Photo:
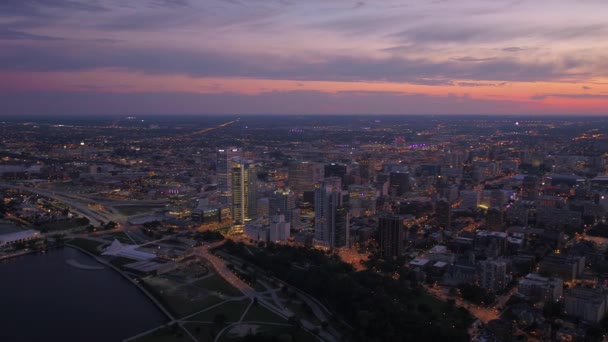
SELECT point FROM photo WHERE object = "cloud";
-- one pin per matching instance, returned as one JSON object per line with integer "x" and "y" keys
{"x": 7, "y": 34}
{"x": 359, "y": 4}
{"x": 211, "y": 63}
{"x": 586, "y": 31}
{"x": 570, "y": 96}
{"x": 513, "y": 49}
{"x": 478, "y": 84}
{"x": 467, "y": 59}
{"x": 274, "y": 102}
{"x": 586, "y": 88}
{"x": 43, "y": 8}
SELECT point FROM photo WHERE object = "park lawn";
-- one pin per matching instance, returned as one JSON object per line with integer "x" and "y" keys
{"x": 121, "y": 261}
{"x": 232, "y": 309}
{"x": 180, "y": 300}
{"x": 218, "y": 284}
{"x": 258, "y": 313}
{"x": 165, "y": 334}
{"x": 181, "y": 305}
{"x": 203, "y": 332}
{"x": 297, "y": 336}
{"x": 272, "y": 331}
{"x": 436, "y": 305}
{"x": 88, "y": 245}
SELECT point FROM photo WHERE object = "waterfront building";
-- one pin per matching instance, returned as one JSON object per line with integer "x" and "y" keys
{"x": 18, "y": 237}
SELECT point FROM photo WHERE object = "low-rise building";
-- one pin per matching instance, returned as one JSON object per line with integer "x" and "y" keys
{"x": 537, "y": 287}
{"x": 18, "y": 237}
{"x": 567, "y": 267}
{"x": 589, "y": 304}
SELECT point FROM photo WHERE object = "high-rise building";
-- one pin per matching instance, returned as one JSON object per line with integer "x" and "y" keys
{"x": 244, "y": 201}
{"x": 529, "y": 188}
{"x": 331, "y": 214}
{"x": 494, "y": 219}
{"x": 223, "y": 170}
{"x": 493, "y": 275}
{"x": 283, "y": 202}
{"x": 587, "y": 303}
{"x": 279, "y": 229}
{"x": 399, "y": 183}
{"x": 337, "y": 170}
{"x": 537, "y": 287}
{"x": 470, "y": 199}
{"x": 362, "y": 200}
{"x": 443, "y": 214}
{"x": 303, "y": 176}
{"x": 391, "y": 233}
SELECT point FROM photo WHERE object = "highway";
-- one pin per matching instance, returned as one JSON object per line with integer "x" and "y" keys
{"x": 76, "y": 205}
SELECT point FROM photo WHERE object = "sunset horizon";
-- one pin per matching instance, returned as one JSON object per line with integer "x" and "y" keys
{"x": 318, "y": 57}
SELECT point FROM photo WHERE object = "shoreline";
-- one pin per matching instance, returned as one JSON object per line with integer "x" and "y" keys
{"x": 124, "y": 275}
{"x": 76, "y": 264}
{"x": 17, "y": 254}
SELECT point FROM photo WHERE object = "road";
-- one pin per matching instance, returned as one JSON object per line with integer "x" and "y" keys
{"x": 223, "y": 270}
{"x": 76, "y": 204}
{"x": 481, "y": 313}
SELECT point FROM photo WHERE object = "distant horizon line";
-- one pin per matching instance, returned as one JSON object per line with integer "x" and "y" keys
{"x": 126, "y": 116}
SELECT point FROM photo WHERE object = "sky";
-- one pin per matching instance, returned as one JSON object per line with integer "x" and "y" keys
{"x": 239, "y": 57}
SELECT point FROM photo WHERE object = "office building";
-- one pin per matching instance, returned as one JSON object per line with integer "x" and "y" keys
{"x": 493, "y": 275}
{"x": 539, "y": 288}
{"x": 391, "y": 232}
{"x": 244, "y": 186}
{"x": 223, "y": 170}
{"x": 279, "y": 229}
{"x": 302, "y": 176}
{"x": 588, "y": 304}
{"x": 283, "y": 202}
{"x": 331, "y": 214}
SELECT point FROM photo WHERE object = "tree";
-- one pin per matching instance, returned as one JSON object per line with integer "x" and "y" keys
{"x": 219, "y": 319}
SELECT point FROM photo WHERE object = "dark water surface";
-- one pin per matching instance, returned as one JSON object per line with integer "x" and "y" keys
{"x": 44, "y": 299}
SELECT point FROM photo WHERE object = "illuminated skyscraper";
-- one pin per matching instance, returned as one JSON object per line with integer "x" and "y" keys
{"x": 224, "y": 173}
{"x": 331, "y": 214}
{"x": 244, "y": 201}
{"x": 283, "y": 202}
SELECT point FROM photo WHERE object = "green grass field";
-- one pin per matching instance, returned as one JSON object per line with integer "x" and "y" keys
{"x": 218, "y": 284}
{"x": 165, "y": 334}
{"x": 202, "y": 331}
{"x": 232, "y": 309}
{"x": 258, "y": 313}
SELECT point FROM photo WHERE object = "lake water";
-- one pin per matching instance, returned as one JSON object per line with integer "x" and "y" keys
{"x": 42, "y": 298}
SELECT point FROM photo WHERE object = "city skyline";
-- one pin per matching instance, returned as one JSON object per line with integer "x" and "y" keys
{"x": 313, "y": 57}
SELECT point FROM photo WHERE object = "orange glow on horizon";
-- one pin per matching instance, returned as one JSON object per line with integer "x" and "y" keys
{"x": 590, "y": 95}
